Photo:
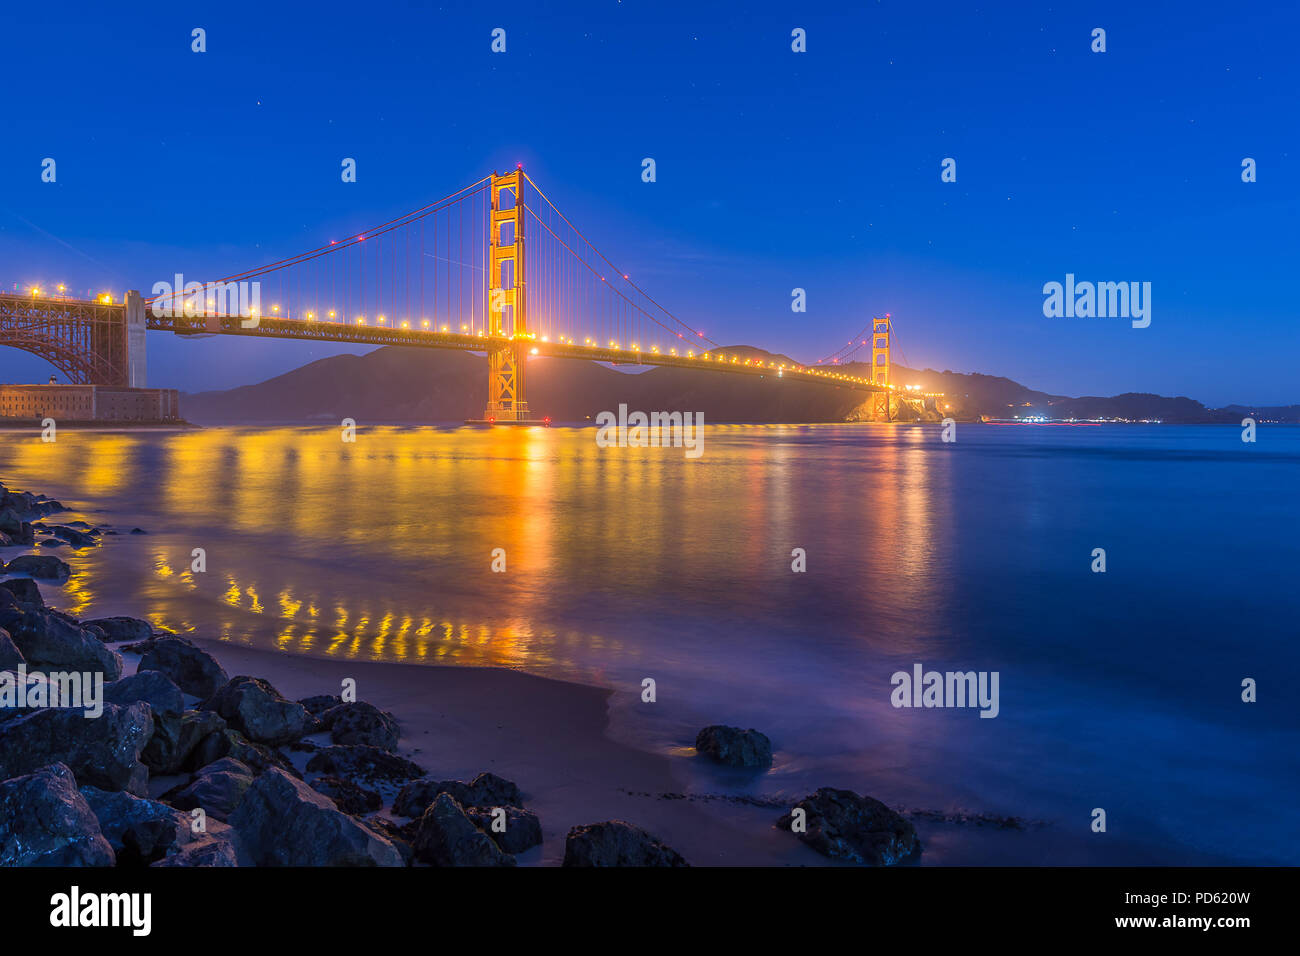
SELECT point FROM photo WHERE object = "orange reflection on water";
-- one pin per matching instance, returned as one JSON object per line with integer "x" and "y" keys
{"x": 381, "y": 549}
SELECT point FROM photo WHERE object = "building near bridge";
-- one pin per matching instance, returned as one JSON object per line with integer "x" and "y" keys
{"x": 88, "y": 403}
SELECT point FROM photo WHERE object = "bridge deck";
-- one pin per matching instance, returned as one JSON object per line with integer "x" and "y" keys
{"x": 277, "y": 327}
{"x": 284, "y": 328}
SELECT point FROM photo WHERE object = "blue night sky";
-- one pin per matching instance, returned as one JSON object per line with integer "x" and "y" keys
{"x": 776, "y": 170}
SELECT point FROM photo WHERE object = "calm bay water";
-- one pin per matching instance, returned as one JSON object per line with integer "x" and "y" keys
{"x": 1118, "y": 690}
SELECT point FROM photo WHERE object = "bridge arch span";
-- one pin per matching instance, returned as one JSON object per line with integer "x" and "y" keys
{"x": 87, "y": 341}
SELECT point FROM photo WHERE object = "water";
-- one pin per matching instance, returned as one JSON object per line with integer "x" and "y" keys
{"x": 1119, "y": 690}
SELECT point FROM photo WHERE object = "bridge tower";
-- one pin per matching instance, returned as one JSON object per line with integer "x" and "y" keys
{"x": 134, "y": 333}
{"x": 880, "y": 336}
{"x": 506, "y": 401}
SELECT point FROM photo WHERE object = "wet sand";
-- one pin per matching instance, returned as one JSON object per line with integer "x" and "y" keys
{"x": 547, "y": 736}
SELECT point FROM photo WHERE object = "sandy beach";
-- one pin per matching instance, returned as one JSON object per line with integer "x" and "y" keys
{"x": 547, "y": 736}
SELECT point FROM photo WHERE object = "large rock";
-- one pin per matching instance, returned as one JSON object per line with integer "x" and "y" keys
{"x": 78, "y": 539}
{"x": 24, "y": 503}
{"x": 283, "y": 822}
{"x": 317, "y": 705}
{"x": 15, "y": 523}
{"x": 45, "y": 821}
{"x": 844, "y": 826}
{"x": 216, "y": 849}
{"x": 117, "y": 629}
{"x": 485, "y": 790}
{"x": 399, "y": 835}
{"x": 103, "y": 752}
{"x": 48, "y": 638}
{"x": 10, "y": 656}
{"x": 177, "y": 737}
{"x": 735, "y": 747}
{"x": 44, "y": 566}
{"x": 24, "y": 591}
{"x": 522, "y": 828}
{"x": 258, "y": 711}
{"x": 193, "y": 669}
{"x": 141, "y": 831}
{"x": 616, "y": 843}
{"x": 448, "y": 837}
{"x": 217, "y": 788}
{"x": 231, "y": 743}
{"x": 361, "y": 723}
{"x": 364, "y": 764}
{"x": 153, "y": 687}
{"x": 348, "y": 796}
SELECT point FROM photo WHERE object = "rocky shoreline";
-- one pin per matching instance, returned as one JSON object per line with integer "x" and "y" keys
{"x": 182, "y": 764}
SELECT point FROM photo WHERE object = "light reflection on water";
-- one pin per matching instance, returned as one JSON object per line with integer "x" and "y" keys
{"x": 628, "y": 563}
{"x": 381, "y": 550}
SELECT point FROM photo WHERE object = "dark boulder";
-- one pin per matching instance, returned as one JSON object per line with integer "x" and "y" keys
{"x": 23, "y": 502}
{"x": 24, "y": 591}
{"x": 14, "y": 523}
{"x": 78, "y": 539}
{"x": 258, "y": 711}
{"x": 153, "y": 687}
{"x": 216, "y": 850}
{"x": 10, "y": 656}
{"x": 320, "y": 703}
{"x": 193, "y": 669}
{"x": 448, "y": 837}
{"x": 283, "y": 822}
{"x": 231, "y": 743}
{"x": 45, "y": 821}
{"x": 217, "y": 788}
{"x": 140, "y": 830}
{"x": 103, "y": 752}
{"x": 117, "y": 629}
{"x": 361, "y": 723}
{"x": 521, "y": 829}
{"x": 48, "y": 638}
{"x": 44, "y": 566}
{"x": 348, "y": 796}
{"x": 735, "y": 747}
{"x": 485, "y": 790}
{"x": 616, "y": 843}
{"x": 844, "y": 826}
{"x": 177, "y": 737}
{"x": 364, "y": 764}
{"x": 399, "y": 835}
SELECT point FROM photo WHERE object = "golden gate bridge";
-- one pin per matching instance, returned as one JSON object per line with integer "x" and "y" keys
{"x": 494, "y": 267}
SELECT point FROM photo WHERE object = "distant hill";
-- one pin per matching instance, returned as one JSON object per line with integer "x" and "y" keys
{"x": 395, "y": 384}
{"x": 973, "y": 395}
